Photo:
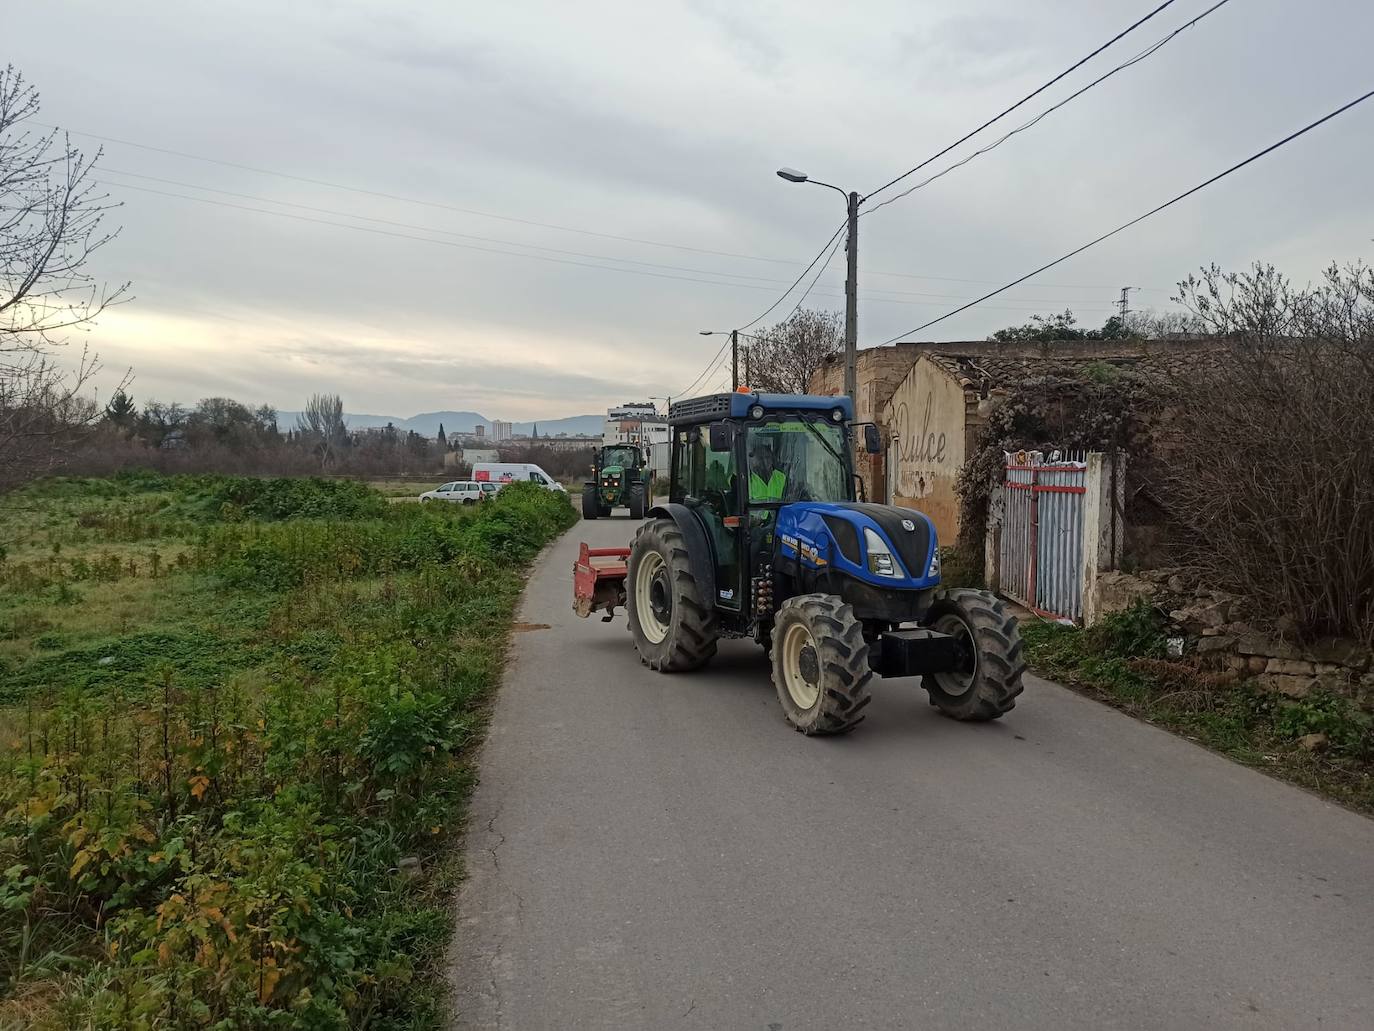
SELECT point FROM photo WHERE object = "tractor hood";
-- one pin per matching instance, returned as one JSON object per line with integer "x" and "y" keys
{"x": 850, "y": 537}
{"x": 613, "y": 470}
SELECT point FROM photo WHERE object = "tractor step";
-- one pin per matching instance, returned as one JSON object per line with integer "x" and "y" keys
{"x": 599, "y": 584}
{"x": 912, "y": 652}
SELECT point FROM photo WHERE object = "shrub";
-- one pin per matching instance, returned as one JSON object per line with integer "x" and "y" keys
{"x": 211, "y": 851}
{"x": 1270, "y": 475}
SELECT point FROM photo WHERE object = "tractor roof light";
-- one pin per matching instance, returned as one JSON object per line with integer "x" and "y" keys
{"x": 837, "y": 415}
{"x": 756, "y": 411}
{"x": 881, "y": 561}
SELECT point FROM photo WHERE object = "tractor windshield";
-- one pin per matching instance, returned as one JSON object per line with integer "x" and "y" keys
{"x": 797, "y": 459}
{"x": 625, "y": 457}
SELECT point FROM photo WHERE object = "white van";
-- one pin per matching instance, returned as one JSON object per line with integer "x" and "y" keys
{"x": 514, "y": 472}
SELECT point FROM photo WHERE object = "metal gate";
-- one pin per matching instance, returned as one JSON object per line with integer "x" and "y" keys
{"x": 1042, "y": 533}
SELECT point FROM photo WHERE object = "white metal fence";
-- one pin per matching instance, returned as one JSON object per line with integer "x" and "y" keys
{"x": 1042, "y": 532}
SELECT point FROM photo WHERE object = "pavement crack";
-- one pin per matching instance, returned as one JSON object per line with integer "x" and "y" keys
{"x": 689, "y": 1010}
{"x": 491, "y": 829}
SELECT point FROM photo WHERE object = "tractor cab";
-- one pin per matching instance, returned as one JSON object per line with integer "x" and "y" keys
{"x": 762, "y": 536}
{"x": 770, "y": 478}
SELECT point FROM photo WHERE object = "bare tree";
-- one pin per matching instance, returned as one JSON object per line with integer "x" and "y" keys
{"x": 51, "y": 222}
{"x": 783, "y": 358}
{"x": 1270, "y": 475}
{"x": 321, "y": 426}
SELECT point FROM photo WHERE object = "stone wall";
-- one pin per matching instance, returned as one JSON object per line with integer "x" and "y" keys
{"x": 1219, "y": 632}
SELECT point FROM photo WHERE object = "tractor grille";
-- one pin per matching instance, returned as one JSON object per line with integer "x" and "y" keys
{"x": 912, "y": 545}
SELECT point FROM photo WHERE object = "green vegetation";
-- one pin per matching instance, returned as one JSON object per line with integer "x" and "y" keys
{"x": 235, "y": 741}
{"x": 1121, "y": 661}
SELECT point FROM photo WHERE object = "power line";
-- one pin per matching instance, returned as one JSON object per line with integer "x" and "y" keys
{"x": 685, "y": 391}
{"x": 414, "y": 200}
{"x": 1029, "y": 96}
{"x": 517, "y": 254}
{"x": 1148, "y": 51}
{"x": 422, "y": 228}
{"x": 832, "y": 244}
{"x": 1140, "y": 218}
{"x": 763, "y": 314}
{"x": 504, "y": 218}
{"x": 819, "y": 272}
{"x": 442, "y": 243}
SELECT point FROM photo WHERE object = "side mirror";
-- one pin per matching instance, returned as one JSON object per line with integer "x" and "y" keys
{"x": 722, "y": 436}
{"x": 872, "y": 444}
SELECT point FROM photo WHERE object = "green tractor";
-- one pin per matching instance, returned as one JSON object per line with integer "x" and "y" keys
{"x": 762, "y": 537}
{"x": 621, "y": 478}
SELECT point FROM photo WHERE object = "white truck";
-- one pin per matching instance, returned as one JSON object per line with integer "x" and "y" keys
{"x": 514, "y": 472}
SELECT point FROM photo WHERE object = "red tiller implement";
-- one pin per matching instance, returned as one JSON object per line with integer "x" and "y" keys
{"x": 599, "y": 585}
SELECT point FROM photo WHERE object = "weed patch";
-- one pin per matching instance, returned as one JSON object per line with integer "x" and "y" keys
{"x": 239, "y": 818}
{"x": 1121, "y": 661}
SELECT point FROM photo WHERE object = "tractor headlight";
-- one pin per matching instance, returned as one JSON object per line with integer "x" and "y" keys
{"x": 756, "y": 412}
{"x": 881, "y": 561}
{"x": 934, "y": 570}
{"x": 837, "y": 415}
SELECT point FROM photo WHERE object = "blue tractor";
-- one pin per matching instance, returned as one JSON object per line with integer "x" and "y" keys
{"x": 762, "y": 537}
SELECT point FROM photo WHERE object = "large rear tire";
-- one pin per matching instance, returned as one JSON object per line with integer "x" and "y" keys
{"x": 674, "y": 626}
{"x": 988, "y": 685}
{"x": 591, "y": 504}
{"x": 820, "y": 664}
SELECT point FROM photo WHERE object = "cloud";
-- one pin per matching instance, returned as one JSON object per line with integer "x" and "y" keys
{"x": 662, "y": 122}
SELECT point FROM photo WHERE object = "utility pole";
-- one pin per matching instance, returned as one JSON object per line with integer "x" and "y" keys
{"x": 851, "y": 304}
{"x": 1124, "y": 302}
{"x": 748, "y": 379}
{"x": 734, "y": 359}
{"x": 851, "y": 282}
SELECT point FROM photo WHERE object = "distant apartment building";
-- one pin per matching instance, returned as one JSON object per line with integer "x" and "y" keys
{"x": 500, "y": 429}
{"x": 635, "y": 423}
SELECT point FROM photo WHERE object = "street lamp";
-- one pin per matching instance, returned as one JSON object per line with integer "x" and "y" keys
{"x": 734, "y": 352}
{"x": 851, "y": 282}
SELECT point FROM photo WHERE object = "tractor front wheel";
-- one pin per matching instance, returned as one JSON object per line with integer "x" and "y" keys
{"x": 636, "y": 503}
{"x": 820, "y": 664}
{"x": 987, "y": 684}
{"x": 673, "y": 623}
{"x": 591, "y": 504}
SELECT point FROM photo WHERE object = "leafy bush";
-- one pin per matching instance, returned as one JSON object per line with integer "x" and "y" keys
{"x": 224, "y": 847}
{"x": 1121, "y": 659}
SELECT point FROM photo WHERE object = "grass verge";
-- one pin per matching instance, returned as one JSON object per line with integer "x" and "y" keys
{"x": 228, "y": 794}
{"x": 1121, "y": 662}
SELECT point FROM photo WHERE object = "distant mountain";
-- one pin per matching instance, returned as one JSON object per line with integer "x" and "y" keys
{"x": 427, "y": 423}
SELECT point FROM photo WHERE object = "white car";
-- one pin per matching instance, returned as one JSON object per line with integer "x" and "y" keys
{"x": 469, "y": 492}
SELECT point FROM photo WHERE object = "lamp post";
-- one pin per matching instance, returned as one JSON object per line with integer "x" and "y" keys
{"x": 851, "y": 282}
{"x": 734, "y": 352}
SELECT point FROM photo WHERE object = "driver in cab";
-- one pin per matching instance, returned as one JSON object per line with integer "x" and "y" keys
{"x": 766, "y": 481}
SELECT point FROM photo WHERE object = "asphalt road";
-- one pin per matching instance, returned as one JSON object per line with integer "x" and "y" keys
{"x": 651, "y": 851}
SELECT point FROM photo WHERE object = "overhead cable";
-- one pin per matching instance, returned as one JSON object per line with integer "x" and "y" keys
{"x": 1139, "y": 218}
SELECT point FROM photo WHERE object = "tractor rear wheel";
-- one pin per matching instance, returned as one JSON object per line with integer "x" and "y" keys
{"x": 987, "y": 685}
{"x": 636, "y": 503}
{"x": 591, "y": 504}
{"x": 820, "y": 664}
{"x": 674, "y": 624}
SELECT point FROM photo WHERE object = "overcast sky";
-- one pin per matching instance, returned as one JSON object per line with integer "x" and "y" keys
{"x": 662, "y": 122}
